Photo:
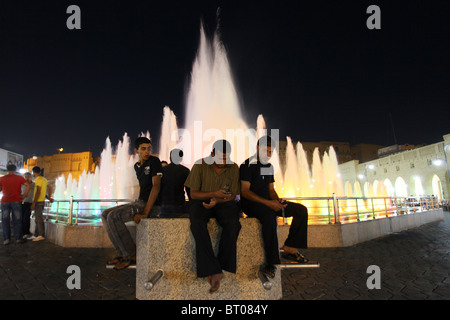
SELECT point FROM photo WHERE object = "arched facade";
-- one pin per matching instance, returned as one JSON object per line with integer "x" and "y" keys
{"x": 422, "y": 171}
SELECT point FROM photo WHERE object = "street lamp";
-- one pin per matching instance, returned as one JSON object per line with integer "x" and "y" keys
{"x": 60, "y": 150}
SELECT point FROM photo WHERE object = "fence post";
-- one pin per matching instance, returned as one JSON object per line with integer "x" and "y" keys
{"x": 357, "y": 210}
{"x": 373, "y": 209}
{"x": 69, "y": 216}
{"x": 329, "y": 211}
{"x": 336, "y": 210}
{"x": 385, "y": 208}
{"x": 57, "y": 211}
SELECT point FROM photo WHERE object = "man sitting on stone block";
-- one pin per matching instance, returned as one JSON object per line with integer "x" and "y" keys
{"x": 214, "y": 184}
{"x": 148, "y": 171}
{"x": 259, "y": 199}
{"x": 172, "y": 187}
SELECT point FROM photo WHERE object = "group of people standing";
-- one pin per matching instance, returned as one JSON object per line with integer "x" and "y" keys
{"x": 22, "y": 195}
{"x": 212, "y": 186}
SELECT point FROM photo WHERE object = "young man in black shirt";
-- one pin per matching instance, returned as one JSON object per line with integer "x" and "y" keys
{"x": 148, "y": 171}
{"x": 172, "y": 187}
{"x": 259, "y": 199}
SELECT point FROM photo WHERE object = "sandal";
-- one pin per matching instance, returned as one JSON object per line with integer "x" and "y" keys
{"x": 297, "y": 257}
{"x": 125, "y": 263}
{"x": 269, "y": 271}
{"x": 115, "y": 260}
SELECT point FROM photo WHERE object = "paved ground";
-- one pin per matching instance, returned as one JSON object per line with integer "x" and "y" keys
{"x": 414, "y": 264}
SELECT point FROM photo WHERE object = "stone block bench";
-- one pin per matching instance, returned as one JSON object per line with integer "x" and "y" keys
{"x": 168, "y": 245}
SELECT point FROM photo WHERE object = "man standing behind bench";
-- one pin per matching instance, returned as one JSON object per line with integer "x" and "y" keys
{"x": 214, "y": 184}
{"x": 148, "y": 171}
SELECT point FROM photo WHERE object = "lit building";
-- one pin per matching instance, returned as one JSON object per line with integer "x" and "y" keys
{"x": 63, "y": 164}
{"x": 416, "y": 171}
{"x": 344, "y": 151}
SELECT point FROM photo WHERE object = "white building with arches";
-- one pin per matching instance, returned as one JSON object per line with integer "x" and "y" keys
{"x": 417, "y": 172}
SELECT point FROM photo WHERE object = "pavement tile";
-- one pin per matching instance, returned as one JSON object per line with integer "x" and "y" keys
{"x": 414, "y": 264}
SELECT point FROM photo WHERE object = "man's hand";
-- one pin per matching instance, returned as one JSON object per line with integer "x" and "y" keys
{"x": 275, "y": 205}
{"x": 137, "y": 218}
{"x": 209, "y": 205}
{"x": 221, "y": 194}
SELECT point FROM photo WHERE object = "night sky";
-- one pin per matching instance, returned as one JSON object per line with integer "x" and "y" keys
{"x": 313, "y": 69}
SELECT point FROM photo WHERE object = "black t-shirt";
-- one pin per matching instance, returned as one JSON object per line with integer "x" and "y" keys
{"x": 145, "y": 173}
{"x": 174, "y": 176}
{"x": 259, "y": 175}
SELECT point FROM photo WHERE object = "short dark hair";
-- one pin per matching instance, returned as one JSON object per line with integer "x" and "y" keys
{"x": 27, "y": 174}
{"x": 36, "y": 169}
{"x": 266, "y": 141}
{"x": 11, "y": 167}
{"x": 221, "y": 145}
{"x": 140, "y": 141}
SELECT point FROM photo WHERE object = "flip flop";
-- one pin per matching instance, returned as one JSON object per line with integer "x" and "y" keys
{"x": 115, "y": 260}
{"x": 125, "y": 263}
{"x": 297, "y": 257}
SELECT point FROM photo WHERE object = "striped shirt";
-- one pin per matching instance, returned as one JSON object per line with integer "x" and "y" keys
{"x": 204, "y": 178}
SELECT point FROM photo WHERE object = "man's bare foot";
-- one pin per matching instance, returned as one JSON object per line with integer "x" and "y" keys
{"x": 290, "y": 250}
{"x": 214, "y": 281}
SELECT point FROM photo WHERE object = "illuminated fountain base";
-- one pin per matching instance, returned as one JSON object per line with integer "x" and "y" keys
{"x": 79, "y": 236}
{"x": 348, "y": 234}
{"x": 319, "y": 235}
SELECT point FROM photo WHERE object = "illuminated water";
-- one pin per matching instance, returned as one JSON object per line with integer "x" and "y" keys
{"x": 212, "y": 112}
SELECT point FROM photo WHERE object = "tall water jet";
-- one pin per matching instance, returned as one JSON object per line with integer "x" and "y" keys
{"x": 106, "y": 172}
{"x": 169, "y": 134}
{"x": 318, "y": 181}
{"x": 305, "y": 174}
{"x": 335, "y": 176}
{"x": 212, "y": 106}
{"x": 260, "y": 127}
{"x": 291, "y": 175}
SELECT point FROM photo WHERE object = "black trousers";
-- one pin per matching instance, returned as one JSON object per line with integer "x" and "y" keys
{"x": 26, "y": 214}
{"x": 298, "y": 231}
{"x": 227, "y": 215}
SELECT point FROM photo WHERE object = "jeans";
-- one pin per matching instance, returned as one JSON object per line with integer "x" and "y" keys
{"x": 26, "y": 213}
{"x": 16, "y": 209}
{"x": 39, "y": 219}
{"x": 114, "y": 223}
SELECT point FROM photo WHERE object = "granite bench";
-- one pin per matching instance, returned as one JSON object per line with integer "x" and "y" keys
{"x": 166, "y": 254}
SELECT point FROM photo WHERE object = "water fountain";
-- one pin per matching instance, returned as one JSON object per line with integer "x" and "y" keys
{"x": 213, "y": 112}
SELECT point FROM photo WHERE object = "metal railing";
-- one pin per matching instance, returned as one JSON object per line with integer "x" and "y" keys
{"x": 68, "y": 211}
{"x": 336, "y": 210}
{"x": 321, "y": 210}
